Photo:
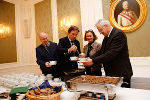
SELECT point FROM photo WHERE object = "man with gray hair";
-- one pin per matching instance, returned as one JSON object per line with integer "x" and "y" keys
{"x": 45, "y": 54}
{"x": 114, "y": 53}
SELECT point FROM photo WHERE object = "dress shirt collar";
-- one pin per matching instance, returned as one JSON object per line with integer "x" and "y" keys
{"x": 110, "y": 31}
{"x": 69, "y": 40}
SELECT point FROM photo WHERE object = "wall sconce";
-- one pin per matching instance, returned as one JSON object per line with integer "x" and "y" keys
{"x": 4, "y": 31}
{"x": 65, "y": 24}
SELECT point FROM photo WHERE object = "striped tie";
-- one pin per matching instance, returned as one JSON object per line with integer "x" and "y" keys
{"x": 46, "y": 47}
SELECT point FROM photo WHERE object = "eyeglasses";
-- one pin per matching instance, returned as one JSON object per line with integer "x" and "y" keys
{"x": 100, "y": 30}
{"x": 90, "y": 30}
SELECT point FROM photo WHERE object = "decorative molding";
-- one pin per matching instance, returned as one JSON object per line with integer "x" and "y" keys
{"x": 11, "y": 1}
{"x": 24, "y": 1}
{"x": 140, "y": 61}
{"x": 35, "y": 1}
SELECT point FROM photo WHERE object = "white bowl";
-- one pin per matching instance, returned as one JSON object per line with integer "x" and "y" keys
{"x": 53, "y": 62}
{"x": 66, "y": 95}
{"x": 74, "y": 58}
{"x": 82, "y": 59}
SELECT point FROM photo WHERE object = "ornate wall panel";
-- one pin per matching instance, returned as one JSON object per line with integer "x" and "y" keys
{"x": 43, "y": 19}
{"x": 8, "y": 45}
{"x": 70, "y": 8}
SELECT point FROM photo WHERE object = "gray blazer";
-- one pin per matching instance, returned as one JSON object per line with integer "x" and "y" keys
{"x": 95, "y": 47}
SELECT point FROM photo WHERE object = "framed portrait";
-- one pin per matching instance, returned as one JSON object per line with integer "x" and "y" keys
{"x": 127, "y": 15}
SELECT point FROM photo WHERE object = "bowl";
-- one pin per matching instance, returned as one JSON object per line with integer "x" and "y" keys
{"x": 67, "y": 95}
{"x": 53, "y": 62}
{"x": 74, "y": 58}
{"x": 82, "y": 59}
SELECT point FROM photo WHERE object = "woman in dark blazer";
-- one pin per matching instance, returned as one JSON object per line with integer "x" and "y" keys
{"x": 90, "y": 49}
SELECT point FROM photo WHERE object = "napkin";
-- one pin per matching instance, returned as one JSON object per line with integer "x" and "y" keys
{"x": 20, "y": 90}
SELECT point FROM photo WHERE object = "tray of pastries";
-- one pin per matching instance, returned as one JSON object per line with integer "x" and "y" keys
{"x": 100, "y": 84}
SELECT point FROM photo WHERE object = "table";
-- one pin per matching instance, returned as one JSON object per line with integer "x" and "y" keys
{"x": 132, "y": 94}
{"x": 129, "y": 94}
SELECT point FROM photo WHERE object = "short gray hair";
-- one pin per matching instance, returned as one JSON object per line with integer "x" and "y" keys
{"x": 102, "y": 22}
{"x": 42, "y": 34}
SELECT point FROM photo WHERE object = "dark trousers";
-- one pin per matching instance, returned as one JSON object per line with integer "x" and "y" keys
{"x": 126, "y": 83}
{"x": 96, "y": 72}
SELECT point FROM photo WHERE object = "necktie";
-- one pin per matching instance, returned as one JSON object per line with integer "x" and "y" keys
{"x": 72, "y": 42}
{"x": 46, "y": 47}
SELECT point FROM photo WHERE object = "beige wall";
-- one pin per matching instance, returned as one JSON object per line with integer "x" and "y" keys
{"x": 8, "y": 45}
{"x": 43, "y": 19}
{"x": 139, "y": 40}
{"x": 70, "y": 8}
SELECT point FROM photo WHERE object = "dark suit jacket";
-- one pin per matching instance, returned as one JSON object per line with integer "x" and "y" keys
{"x": 43, "y": 56}
{"x": 63, "y": 46}
{"x": 114, "y": 55}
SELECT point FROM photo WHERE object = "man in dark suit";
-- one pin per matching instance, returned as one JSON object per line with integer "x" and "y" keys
{"x": 114, "y": 53}
{"x": 67, "y": 47}
{"x": 45, "y": 53}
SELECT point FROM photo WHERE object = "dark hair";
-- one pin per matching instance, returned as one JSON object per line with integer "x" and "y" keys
{"x": 73, "y": 28}
{"x": 94, "y": 35}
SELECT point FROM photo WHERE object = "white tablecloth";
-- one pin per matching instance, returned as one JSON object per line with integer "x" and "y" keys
{"x": 132, "y": 94}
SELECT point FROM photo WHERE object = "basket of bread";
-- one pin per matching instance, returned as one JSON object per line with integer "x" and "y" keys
{"x": 44, "y": 92}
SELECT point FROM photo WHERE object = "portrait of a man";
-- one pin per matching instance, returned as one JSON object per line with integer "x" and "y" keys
{"x": 127, "y": 12}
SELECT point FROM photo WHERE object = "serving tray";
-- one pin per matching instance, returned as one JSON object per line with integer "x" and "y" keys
{"x": 107, "y": 87}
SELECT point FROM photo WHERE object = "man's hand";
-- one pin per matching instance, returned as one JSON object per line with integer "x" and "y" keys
{"x": 47, "y": 64}
{"x": 88, "y": 62}
{"x": 72, "y": 48}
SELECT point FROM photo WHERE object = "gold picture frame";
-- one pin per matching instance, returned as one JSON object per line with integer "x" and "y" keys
{"x": 140, "y": 8}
